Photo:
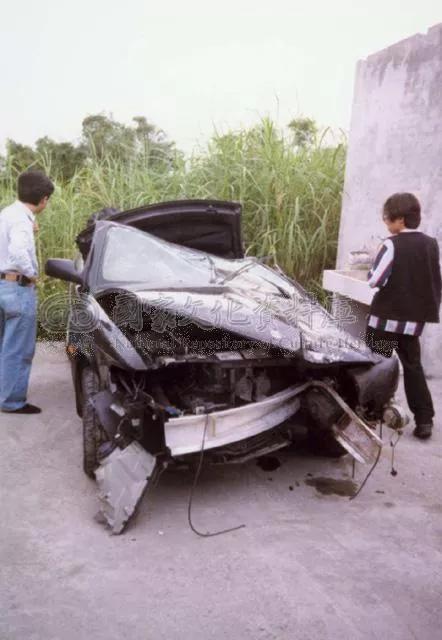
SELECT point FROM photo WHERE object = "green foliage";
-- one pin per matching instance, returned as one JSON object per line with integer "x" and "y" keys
{"x": 20, "y": 156}
{"x": 60, "y": 159}
{"x": 102, "y": 138}
{"x": 304, "y": 130}
{"x": 144, "y": 143}
{"x": 291, "y": 195}
{"x": 63, "y": 159}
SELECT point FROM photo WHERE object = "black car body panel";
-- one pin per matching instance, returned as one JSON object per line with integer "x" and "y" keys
{"x": 213, "y": 226}
{"x": 185, "y": 334}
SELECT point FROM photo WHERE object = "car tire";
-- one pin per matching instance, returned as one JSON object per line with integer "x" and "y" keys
{"x": 91, "y": 426}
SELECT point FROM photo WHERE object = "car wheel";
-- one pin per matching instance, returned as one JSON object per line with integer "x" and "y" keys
{"x": 91, "y": 426}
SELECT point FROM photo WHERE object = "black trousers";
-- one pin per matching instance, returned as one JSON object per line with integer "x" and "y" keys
{"x": 409, "y": 352}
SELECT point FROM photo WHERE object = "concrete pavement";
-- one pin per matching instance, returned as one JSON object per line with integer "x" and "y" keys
{"x": 307, "y": 566}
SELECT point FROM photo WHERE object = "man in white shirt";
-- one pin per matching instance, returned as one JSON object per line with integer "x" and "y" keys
{"x": 18, "y": 301}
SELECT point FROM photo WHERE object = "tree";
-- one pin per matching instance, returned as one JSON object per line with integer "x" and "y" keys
{"x": 63, "y": 157}
{"x": 144, "y": 132}
{"x": 152, "y": 144}
{"x": 104, "y": 137}
{"x": 304, "y": 131}
{"x": 21, "y": 157}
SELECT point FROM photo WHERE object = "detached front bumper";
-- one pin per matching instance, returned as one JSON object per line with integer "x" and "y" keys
{"x": 184, "y": 435}
{"x": 124, "y": 475}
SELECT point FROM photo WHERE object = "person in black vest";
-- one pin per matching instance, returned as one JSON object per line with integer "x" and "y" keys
{"x": 407, "y": 272}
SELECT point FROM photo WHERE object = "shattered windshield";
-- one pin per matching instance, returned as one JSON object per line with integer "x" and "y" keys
{"x": 141, "y": 262}
{"x": 139, "y": 258}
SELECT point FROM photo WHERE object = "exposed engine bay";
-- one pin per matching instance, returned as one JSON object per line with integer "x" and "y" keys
{"x": 171, "y": 411}
{"x": 182, "y": 347}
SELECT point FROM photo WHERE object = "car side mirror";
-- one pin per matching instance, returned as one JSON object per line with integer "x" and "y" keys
{"x": 63, "y": 270}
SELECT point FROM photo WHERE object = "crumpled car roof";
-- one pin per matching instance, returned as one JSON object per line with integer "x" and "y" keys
{"x": 242, "y": 296}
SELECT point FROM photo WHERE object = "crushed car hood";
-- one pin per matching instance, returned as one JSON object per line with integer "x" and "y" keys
{"x": 241, "y": 296}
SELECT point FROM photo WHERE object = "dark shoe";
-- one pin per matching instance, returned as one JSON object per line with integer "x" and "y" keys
{"x": 27, "y": 409}
{"x": 423, "y": 431}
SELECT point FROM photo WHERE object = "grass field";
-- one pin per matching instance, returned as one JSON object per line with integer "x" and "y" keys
{"x": 291, "y": 197}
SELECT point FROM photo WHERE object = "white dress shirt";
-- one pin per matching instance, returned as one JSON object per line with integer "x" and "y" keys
{"x": 17, "y": 243}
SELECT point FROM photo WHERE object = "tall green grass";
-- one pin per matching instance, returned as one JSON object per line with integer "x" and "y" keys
{"x": 291, "y": 197}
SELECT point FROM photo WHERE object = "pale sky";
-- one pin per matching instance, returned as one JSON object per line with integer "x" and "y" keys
{"x": 189, "y": 66}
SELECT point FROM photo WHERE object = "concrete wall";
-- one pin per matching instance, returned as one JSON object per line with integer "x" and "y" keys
{"x": 395, "y": 144}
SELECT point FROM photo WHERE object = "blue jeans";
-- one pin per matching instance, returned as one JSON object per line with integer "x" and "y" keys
{"x": 18, "y": 328}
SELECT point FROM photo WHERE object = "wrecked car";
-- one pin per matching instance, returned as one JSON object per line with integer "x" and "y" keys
{"x": 179, "y": 343}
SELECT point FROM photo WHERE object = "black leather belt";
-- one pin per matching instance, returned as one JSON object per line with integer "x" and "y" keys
{"x": 22, "y": 280}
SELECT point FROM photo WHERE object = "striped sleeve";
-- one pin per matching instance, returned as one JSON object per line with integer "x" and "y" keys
{"x": 382, "y": 266}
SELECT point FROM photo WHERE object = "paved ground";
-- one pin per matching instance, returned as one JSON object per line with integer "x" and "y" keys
{"x": 307, "y": 565}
